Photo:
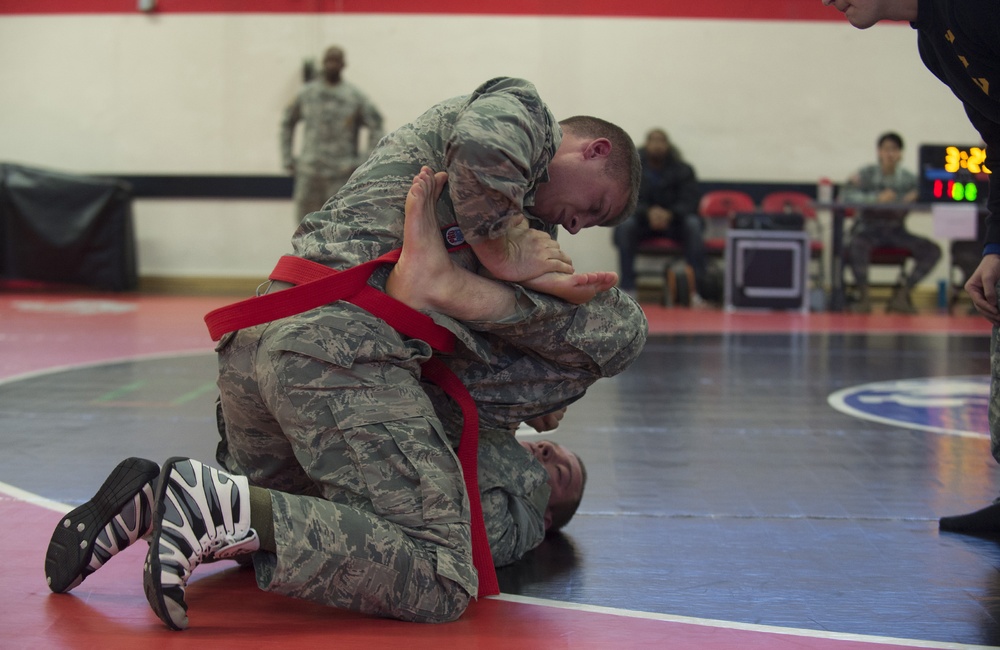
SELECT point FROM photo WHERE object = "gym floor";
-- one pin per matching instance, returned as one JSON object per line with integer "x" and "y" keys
{"x": 756, "y": 480}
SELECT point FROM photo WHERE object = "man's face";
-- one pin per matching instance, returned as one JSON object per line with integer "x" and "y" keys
{"x": 333, "y": 64}
{"x": 865, "y": 13}
{"x": 889, "y": 154}
{"x": 578, "y": 193}
{"x": 657, "y": 145}
{"x": 565, "y": 473}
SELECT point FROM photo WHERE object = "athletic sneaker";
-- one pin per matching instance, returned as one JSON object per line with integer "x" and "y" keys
{"x": 200, "y": 513}
{"x": 114, "y": 519}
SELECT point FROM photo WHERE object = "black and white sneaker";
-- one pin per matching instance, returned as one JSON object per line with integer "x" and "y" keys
{"x": 114, "y": 519}
{"x": 200, "y": 513}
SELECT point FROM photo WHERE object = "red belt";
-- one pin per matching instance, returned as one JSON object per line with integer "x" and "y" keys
{"x": 318, "y": 285}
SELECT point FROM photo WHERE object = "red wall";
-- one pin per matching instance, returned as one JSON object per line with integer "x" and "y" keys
{"x": 721, "y": 9}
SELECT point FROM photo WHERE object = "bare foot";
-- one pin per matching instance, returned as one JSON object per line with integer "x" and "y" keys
{"x": 424, "y": 256}
{"x": 576, "y": 288}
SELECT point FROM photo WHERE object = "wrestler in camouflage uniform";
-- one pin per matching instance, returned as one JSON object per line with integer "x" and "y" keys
{"x": 332, "y": 117}
{"x": 328, "y": 409}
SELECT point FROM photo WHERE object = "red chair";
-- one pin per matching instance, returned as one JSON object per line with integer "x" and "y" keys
{"x": 718, "y": 208}
{"x": 800, "y": 203}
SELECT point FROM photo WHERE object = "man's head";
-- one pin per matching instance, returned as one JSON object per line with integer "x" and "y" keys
{"x": 865, "y": 13}
{"x": 593, "y": 177}
{"x": 890, "y": 151}
{"x": 567, "y": 480}
{"x": 333, "y": 64}
{"x": 657, "y": 145}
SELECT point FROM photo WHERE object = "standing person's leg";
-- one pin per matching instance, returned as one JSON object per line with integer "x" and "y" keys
{"x": 985, "y": 521}
{"x": 309, "y": 194}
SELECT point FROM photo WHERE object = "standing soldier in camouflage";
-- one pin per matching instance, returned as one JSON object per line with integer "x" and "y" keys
{"x": 345, "y": 480}
{"x": 333, "y": 112}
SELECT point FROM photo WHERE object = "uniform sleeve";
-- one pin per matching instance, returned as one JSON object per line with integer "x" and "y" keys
{"x": 293, "y": 113}
{"x": 862, "y": 191}
{"x": 514, "y": 492}
{"x": 493, "y": 156}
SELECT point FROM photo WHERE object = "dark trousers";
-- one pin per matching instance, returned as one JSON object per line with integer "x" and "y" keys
{"x": 686, "y": 230}
{"x": 869, "y": 234}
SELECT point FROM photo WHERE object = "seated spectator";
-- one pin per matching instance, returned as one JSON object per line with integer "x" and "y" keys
{"x": 886, "y": 183}
{"x": 668, "y": 207}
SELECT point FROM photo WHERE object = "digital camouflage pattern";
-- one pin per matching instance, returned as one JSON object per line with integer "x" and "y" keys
{"x": 514, "y": 490}
{"x": 332, "y": 118}
{"x": 330, "y": 403}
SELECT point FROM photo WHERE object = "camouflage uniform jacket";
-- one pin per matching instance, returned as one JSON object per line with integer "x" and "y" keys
{"x": 332, "y": 117}
{"x": 515, "y": 493}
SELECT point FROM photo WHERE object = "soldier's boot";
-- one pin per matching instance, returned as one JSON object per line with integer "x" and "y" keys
{"x": 900, "y": 302}
{"x": 200, "y": 513}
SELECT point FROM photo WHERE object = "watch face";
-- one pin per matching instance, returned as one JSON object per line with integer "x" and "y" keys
{"x": 953, "y": 173}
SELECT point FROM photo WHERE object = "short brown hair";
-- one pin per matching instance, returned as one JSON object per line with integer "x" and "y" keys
{"x": 623, "y": 164}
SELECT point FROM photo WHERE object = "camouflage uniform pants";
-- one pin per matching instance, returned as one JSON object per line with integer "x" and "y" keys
{"x": 326, "y": 409}
{"x": 370, "y": 513}
{"x": 313, "y": 190}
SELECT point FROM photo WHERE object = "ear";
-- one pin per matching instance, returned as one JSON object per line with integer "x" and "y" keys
{"x": 598, "y": 148}
{"x": 548, "y": 518}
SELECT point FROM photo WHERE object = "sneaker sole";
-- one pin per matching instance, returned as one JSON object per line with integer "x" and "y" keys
{"x": 72, "y": 545}
{"x": 169, "y": 610}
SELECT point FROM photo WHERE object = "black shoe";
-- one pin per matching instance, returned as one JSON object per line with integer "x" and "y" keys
{"x": 985, "y": 521}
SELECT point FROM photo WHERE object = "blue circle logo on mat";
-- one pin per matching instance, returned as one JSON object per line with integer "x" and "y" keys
{"x": 957, "y": 406}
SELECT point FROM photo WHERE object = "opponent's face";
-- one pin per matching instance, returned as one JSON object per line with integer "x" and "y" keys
{"x": 563, "y": 466}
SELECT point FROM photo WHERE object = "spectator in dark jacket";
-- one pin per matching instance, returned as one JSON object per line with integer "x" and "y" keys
{"x": 668, "y": 207}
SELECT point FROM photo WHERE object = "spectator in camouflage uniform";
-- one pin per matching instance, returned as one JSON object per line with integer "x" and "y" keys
{"x": 333, "y": 112}
{"x": 886, "y": 182}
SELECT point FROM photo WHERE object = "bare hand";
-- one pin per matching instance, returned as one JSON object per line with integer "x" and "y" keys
{"x": 576, "y": 288}
{"x": 523, "y": 253}
{"x": 887, "y": 196}
{"x": 981, "y": 287}
{"x": 546, "y": 422}
{"x": 659, "y": 217}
